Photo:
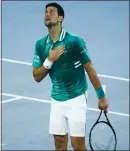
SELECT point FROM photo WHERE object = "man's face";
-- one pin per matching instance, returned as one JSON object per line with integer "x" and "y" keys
{"x": 51, "y": 16}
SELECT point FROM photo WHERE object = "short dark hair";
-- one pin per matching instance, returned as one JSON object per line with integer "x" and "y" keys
{"x": 59, "y": 8}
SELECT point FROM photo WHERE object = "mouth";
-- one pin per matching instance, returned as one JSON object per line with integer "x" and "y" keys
{"x": 47, "y": 19}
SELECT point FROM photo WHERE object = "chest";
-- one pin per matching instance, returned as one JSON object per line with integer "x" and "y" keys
{"x": 68, "y": 56}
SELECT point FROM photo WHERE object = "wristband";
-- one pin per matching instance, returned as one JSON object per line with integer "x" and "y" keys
{"x": 100, "y": 93}
{"x": 47, "y": 64}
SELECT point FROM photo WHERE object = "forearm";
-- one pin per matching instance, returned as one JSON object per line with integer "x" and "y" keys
{"x": 94, "y": 80}
{"x": 40, "y": 73}
{"x": 93, "y": 76}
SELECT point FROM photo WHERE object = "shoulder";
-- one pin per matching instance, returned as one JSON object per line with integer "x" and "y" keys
{"x": 73, "y": 37}
{"x": 39, "y": 45}
{"x": 41, "y": 41}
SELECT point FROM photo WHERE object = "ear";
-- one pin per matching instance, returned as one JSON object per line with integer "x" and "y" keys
{"x": 61, "y": 18}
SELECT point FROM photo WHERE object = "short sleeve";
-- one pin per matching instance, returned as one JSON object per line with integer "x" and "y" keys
{"x": 82, "y": 51}
{"x": 36, "y": 63}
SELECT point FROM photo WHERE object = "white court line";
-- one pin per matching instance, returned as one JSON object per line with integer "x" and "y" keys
{"x": 26, "y": 98}
{"x": 112, "y": 77}
{"x": 100, "y": 75}
{"x": 15, "y": 61}
{"x": 2, "y": 144}
{"x": 116, "y": 113}
{"x": 47, "y": 101}
{"x": 13, "y": 99}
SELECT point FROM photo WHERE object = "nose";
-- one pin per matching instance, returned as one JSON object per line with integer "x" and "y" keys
{"x": 47, "y": 14}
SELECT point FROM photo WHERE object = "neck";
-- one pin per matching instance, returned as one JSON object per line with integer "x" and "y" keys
{"x": 54, "y": 32}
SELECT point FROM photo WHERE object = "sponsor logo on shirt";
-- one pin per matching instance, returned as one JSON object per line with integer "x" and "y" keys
{"x": 36, "y": 59}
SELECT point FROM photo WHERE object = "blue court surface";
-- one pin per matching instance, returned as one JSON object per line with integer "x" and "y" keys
{"x": 26, "y": 104}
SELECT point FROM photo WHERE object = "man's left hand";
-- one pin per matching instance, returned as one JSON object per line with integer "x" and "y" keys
{"x": 103, "y": 104}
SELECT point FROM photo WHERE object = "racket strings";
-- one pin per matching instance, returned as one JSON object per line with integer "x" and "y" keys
{"x": 102, "y": 137}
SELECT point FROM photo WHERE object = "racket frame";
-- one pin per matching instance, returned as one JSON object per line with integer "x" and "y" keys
{"x": 105, "y": 122}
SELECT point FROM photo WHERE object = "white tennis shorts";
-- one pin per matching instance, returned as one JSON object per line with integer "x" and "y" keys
{"x": 69, "y": 116}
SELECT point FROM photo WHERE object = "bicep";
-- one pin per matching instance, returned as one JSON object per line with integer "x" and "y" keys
{"x": 89, "y": 68}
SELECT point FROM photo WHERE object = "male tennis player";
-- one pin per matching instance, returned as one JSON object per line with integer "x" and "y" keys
{"x": 64, "y": 57}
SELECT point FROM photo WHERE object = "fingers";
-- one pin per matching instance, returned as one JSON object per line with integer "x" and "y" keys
{"x": 103, "y": 107}
{"x": 59, "y": 51}
{"x": 106, "y": 109}
{"x": 59, "y": 48}
{"x": 56, "y": 53}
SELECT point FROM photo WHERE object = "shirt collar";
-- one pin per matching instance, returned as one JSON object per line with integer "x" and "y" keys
{"x": 61, "y": 36}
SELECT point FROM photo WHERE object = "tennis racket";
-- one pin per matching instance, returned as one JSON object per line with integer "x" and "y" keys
{"x": 102, "y": 135}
